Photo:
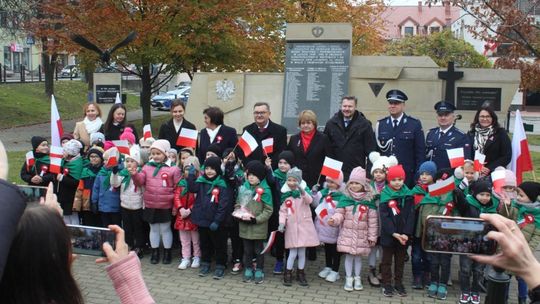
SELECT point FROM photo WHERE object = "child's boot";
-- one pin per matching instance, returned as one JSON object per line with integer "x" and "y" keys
{"x": 287, "y": 277}
{"x": 154, "y": 259}
{"x": 166, "y": 256}
{"x": 301, "y": 277}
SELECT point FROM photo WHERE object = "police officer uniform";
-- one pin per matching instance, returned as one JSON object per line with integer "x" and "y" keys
{"x": 402, "y": 137}
{"x": 439, "y": 140}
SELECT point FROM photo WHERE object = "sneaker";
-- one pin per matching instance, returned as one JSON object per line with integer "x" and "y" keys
{"x": 400, "y": 290}
{"x": 475, "y": 298}
{"x": 278, "y": 268}
{"x": 442, "y": 292}
{"x": 465, "y": 298}
{"x": 219, "y": 272}
{"x": 417, "y": 283}
{"x": 196, "y": 262}
{"x": 388, "y": 291}
{"x": 205, "y": 269}
{"x": 349, "y": 284}
{"x": 432, "y": 290}
{"x": 237, "y": 267}
{"x": 248, "y": 275}
{"x": 358, "y": 283}
{"x": 450, "y": 283}
{"x": 332, "y": 277}
{"x": 184, "y": 264}
{"x": 372, "y": 278}
{"x": 259, "y": 276}
{"x": 325, "y": 272}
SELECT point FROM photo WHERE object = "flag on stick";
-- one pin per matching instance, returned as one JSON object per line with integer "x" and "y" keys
{"x": 122, "y": 146}
{"x": 331, "y": 168}
{"x": 497, "y": 177}
{"x": 147, "y": 132}
{"x": 268, "y": 145}
{"x": 270, "y": 242}
{"x": 187, "y": 138}
{"x": 30, "y": 160}
{"x": 456, "y": 157}
{"x": 56, "y": 155}
{"x": 521, "y": 157}
{"x": 56, "y": 124}
{"x": 479, "y": 160}
{"x": 247, "y": 143}
{"x": 442, "y": 187}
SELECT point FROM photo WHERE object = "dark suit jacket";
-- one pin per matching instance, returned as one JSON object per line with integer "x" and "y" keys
{"x": 498, "y": 149}
{"x": 225, "y": 138}
{"x": 278, "y": 132}
{"x": 167, "y": 131}
{"x": 310, "y": 161}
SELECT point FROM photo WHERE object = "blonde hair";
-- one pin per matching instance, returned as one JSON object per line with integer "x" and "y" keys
{"x": 307, "y": 115}
{"x": 88, "y": 104}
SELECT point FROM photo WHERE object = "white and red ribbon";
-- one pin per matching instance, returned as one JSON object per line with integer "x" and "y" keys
{"x": 164, "y": 179}
{"x": 330, "y": 201}
{"x": 290, "y": 209}
{"x": 448, "y": 208}
{"x": 215, "y": 196}
{"x": 44, "y": 170}
{"x": 527, "y": 219}
{"x": 258, "y": 194}
{"x": 66, "y": 171}
{"x": 393, "y": 205}
{"x": 363, "y": 209}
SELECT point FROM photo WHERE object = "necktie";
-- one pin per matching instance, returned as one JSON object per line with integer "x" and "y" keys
{"x": 395, "y": 121}
{"x": 347, "y": 121}
{"x": 262, "y": 130}
{"x": 441, "y": 134}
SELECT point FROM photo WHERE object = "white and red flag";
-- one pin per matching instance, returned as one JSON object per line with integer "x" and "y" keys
{"x": 56, "y": 154}
{"x": 322, "y": 211}
{"x": 331, "y": 167}
{"x": 147, "y": 131}
{"x": 113, "y": 158}
{"x": 187, "y": 138}
{"x": 118, "y": 100}
{"x": 270, "y": 242}
{"x": 30, "y": 160}
{"x": 521, "y": 157}
{"x": 456, "y": 157}
{"x": 122, "y": 146}
{"x": 442, "y": 187}
{"x": 247, "y": 143}
{"x": 497, "y": 178}
{"x": 479, "y": 160}
{"x": 56, "y": 125}
{"x": 268, "y": 145}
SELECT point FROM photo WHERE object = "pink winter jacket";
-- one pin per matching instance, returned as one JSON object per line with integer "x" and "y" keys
{"x": 354, "y": 234}
{"x": 299, "y": 228}
{"x": 155, "y": 195}
{"x": 128, "y": 282}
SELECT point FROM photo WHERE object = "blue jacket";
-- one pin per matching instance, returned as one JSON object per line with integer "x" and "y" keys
{"x": 204, "y": 212}
{"x": 436, "y": 147}
{"x": 107, "y": 200}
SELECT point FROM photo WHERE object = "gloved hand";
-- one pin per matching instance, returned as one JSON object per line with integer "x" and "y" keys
{"x": 185, "y": 212}
{"x": 214, "y": 226}
{"x": 94, "y": 208}
{"x": 191, "y": 170}
{"x": 281, "y": 228}
{"x": 315, "y": 189}
{"x": 115, "y": 169}
{"x": 251, "y": 221}
{"x": 464, "y": 184}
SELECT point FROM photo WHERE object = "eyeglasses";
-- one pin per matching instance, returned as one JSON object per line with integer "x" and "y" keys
{"x": 259, "y": 113}
{"x": 484, "y": 117}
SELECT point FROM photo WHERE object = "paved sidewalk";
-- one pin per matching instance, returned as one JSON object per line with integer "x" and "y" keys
{"x": 167, "y": 284}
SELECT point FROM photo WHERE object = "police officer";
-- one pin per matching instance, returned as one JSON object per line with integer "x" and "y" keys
{"x": 401, "y": 135}
{"x": 445, "y": 136}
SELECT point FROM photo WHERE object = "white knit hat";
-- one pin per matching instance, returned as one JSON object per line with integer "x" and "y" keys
{"x": 73, "y": 147}
{"x": 135, "y": 153}
{"x": 381, "y": 162}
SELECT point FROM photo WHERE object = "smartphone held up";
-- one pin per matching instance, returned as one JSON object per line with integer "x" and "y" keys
{"x": 457, "y": 235}
{"x": 88, "y": 240}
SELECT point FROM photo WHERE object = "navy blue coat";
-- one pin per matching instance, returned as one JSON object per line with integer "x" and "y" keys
{"x": 275, "y": 131}
{"x": 406, "y": 143}
{"x": 205, "y": 212}
{"x": 403, "y": 223}
{"x": 498, "y": 149}
{"x": 225, "y": 138}
{"x": 436, "y": 147}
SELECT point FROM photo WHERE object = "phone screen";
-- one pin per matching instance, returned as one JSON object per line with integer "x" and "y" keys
{"x": 32, "y": 194}
{"x": 457, "y": 235}
{"x": 88, "y": 240}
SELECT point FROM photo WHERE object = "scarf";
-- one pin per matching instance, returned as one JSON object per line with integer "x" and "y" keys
{"x": 335, "y": 194}
{"x": 216, "y": 182}
{"x": 388, "y": 193}
{"x": 41, "y": 159}
{"x": 75, "y": 167}
{"x": 481, "y": 135}
{"x": 491, "y": 208}
{"x": 346, "y": 201}
{"x": 378, "y": 186}
{"x": 306, "y": 139}
{"x": 89, "y": 172}
{"x": 292, "y": 193}
{"x": 183, "y": 183}
{"x": 107, "y": 173}
{"x": 266, "y": 196}
{"x": 527, "y": 209}
{"x": 157, "y": 166}
{"x": 126, "y": 177}
{"x": 92, "y": 126}
{"x": 280, "y": 176}
{"x": 359, "y": 196}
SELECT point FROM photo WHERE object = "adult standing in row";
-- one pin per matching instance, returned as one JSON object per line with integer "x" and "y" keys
{"x": 401, "y": 135}
{"x": 445, "y": 136}
{"x": 215, "y": 133}
{"x": 170, "y": 130}
{"x": 91, "y": 124}
{"x": 263, "y": 128}
{"x": 116, "y": 122}
{"x": 309, "y": 147}
{"x": 490, "y": 139}
{"x": 351, "y": 136}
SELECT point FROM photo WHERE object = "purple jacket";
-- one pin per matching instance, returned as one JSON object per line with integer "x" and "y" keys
{"x": 327, "y": 234}
{"x": 156, "y": 195}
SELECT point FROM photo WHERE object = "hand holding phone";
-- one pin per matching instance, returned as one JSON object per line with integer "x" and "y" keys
{"x": 119, "y": 252}
{"x": 89, "y": 240}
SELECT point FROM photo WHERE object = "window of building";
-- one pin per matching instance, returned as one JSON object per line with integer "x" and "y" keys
{"x": 434, "y": 29}
{"x": 7, "y": 57}
{"x": 409, "y": 31}
{"x": 26, "y": 58}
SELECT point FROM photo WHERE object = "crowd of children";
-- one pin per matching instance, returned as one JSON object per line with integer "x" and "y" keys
{"x": 209, "y": 201}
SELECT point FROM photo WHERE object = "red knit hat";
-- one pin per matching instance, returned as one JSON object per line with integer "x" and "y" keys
{"x": 395, "y": 172}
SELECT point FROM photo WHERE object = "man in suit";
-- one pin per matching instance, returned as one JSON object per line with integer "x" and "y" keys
{"x": 263, "y": 128}
{"x": 446, "y": 136}
{"x": 401, "y": 135}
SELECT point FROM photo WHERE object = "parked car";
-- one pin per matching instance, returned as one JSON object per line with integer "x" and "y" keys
{"x": 163, "y": 101}
{"x": 70, "y": 70}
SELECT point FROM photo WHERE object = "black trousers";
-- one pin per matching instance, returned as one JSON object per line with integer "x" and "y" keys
{"x": 213, "y": 243}
{"x": 440, "y": 267}
{"x": 279, "y": 246}
{"x": 332, "y": 256}
{"x": 133, "y": 227}
{"x": 111, "y": 218}
{"x": 236, "y": 242}
{"x": 88, "y": 218}
{"x": 253, "y": 248}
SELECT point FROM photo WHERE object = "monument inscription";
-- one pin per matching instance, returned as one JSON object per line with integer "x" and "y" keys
{"x": 474, "y": 98}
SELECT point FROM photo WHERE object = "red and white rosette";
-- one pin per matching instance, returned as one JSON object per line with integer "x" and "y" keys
{"x": 394, "y": 206}
{"x": 527, "y": 219}
{"x": 448, "y": 208}
{"x": 164, "y": 179}
{"x": 289, "y": 206}
{"x": 330, "y": 201}
{"x": 258, "y": 194}
{"x": 219, "y": 139}
{"x": 215, "y": 196}
{"x": 362, "y": 209}
{"x": 66, "y": 171}
{"x": 44, "y": 170}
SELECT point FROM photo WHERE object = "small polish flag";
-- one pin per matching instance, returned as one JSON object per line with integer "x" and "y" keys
{"x": 322, "y": 211}
{"x": 122, "y": 145}
{"x": 113, "y": 158}
{"x": 247, "y": 143}
{"x": 497, "y": 177}
{"x": 479, "y": 160}
{"x": 56, "y": 124}
{"x": 187, "y": 138}
{"x": 331, "y": 168}
{"x": 456, "y": 157}
{"x": 56, "y": 154}
{"x": 442, "y": 187}
{"x": 270, "y": 242}
{"x": 521, "y": 156}
{"x": 30, "y": 160}
{"x": 147, "y": 131}
{"x": 268, "y": 145}
{"x": 117, "y": 100}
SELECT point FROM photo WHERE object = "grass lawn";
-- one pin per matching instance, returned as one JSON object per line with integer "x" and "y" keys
{"x": 534, "y": 140}
{"x": 27, "y": 103}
